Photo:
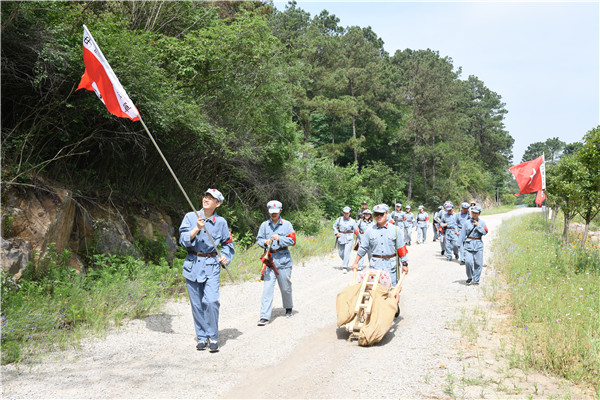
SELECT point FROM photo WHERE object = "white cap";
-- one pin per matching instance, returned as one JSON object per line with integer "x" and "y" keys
{"x": 346, "y": 209}
{"x": 274, "y": 206}
{"x": 216, "y": 194}
{"x": 380, "y": 208}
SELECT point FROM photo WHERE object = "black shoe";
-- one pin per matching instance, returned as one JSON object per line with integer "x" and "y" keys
{"x": 213, "y": 347}
{"x": 202, "y": 344}
{"x": 469, "y": 281}
{"x": 443, "y": 252}
{"x": 263, "y": 322}
{"x": 462, "y": 263}
{"x": 397, "y": 313}
{"x": 288, "y": 312}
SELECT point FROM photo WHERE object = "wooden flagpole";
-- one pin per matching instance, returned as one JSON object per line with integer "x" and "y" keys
{"x": 183, "y": 191}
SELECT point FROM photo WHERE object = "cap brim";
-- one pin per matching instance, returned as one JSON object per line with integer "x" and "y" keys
{"x": 274, "y": 210}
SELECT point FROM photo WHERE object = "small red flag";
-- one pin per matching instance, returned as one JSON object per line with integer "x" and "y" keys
{"x": 100, "y": 78}
{"x": 530, "y": 175}
{"x": 539, "y": 199}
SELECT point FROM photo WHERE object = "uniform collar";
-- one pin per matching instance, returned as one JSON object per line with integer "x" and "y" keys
{"x": 213, "y": 219}
{"x": 280, "y": 222}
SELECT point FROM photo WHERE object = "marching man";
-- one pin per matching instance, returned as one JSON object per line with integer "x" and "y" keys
{"x": 422, "y": 223}
{"x": 363, "y": 226}
{"x": 201, "y": 267}
{"x": 450, "y": 224}
{"x": 280, "y": 235}
{"x": 409, "y": 223}
{"x": 385, "y": 241}
{"x": 471, "y": 233}
{"x": 345, "y": 228}
{"x": 462, "y": 217}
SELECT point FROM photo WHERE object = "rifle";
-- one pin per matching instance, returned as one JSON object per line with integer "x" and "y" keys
{"x": 267, "y": 260}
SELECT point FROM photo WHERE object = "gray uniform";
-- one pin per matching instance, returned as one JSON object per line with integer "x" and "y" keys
{"x": 422, "y": 223}
{"x": 282, "y": 260}
{"x": 409, "y": 224}
{"x": 346, "y": 228}
{"x": 471, "y": 236}
{"x": 436, "y": 225}
{"x": 363, "y": 226}
{"x": 451, "y": 235}
{"x": 384, "y": 243}
{"x": 462, "y": 218}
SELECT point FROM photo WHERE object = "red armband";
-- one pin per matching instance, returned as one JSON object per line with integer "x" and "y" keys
{"x": 230, "y": 238}
{"x": 293, "y": 237}
{"x": 486, "y": 229}
{"x": 402, "y": 251}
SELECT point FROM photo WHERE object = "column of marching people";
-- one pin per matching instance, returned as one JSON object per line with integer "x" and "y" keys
{"x": 458, "y": 232}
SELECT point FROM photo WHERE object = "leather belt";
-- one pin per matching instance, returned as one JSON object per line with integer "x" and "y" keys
{"x": 205, "y": 254}
{"x": 390, "y": 256}
{"x": 275, "y": 251}
{"x": 347, "y": 232}
{"x": 472, "y": 238}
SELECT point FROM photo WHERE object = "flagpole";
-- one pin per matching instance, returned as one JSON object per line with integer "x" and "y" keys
{"x": 544, "y": 193}
{"x": 182, "y": 190}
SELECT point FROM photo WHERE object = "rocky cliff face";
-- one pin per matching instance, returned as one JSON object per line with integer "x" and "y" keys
{"x": 32, "y": 218}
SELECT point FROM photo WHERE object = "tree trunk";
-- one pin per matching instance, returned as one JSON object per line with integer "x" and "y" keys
{"x": 354, "y": 136}
{"x": 585, "y": 233}
{"x": 412, "y": 166}
{"x": 425, "y": 178}
{"x": 554, "y": 216}
{"x": 433, "y": 162}
{"x": 306, "y": 128}
{"x": 566, "y": 228}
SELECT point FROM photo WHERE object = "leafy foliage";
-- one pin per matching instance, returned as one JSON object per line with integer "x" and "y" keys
{"x": 260, "y": 103}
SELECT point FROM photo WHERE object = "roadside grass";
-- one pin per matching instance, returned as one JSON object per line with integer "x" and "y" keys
{"x": 499, "y": 209}
{"x": 54, "y": 307}
{"x": 57, "y": 310}
{"x": 554, "y": 293}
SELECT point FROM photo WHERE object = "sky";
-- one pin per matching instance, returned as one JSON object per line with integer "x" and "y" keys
{"x": 542, "y": 58}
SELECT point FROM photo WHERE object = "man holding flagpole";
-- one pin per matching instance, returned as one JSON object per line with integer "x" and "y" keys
{"x": 202, "y": 266}
{"x": 203, "y": 263}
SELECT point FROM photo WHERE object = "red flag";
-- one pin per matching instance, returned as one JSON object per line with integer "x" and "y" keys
{"x": 539, "y": 199}
{"x": 530, "y": 175}
{"x": 100, "y": 78}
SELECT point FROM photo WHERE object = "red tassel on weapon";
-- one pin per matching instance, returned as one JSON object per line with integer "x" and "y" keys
{"x": 267, "y": 260}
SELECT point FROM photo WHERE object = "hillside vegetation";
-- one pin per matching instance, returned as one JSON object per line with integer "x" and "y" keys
{"x": 257, "y": 102}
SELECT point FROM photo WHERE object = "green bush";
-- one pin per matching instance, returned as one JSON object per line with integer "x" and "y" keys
{"x": 53, "y": 305}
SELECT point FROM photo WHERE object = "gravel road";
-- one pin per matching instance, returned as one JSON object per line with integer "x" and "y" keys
{"x": 305, "y": 356}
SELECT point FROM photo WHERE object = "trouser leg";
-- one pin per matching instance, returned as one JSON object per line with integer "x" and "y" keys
{"x": 477, "y": 265}
{"x": 448, "y": 244}
{"x": 346, "y": 254}
{"x": 210, "y": 305}
{"x": 341, "y": 249}
{"x": 468, "y": 264}
{"x": 195, "y": 293}
{"x": 266, "y": 303}
{"x": 284, "y": 280}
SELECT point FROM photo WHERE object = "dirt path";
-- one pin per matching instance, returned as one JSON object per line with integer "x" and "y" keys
{"x": 305, "y": 356}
